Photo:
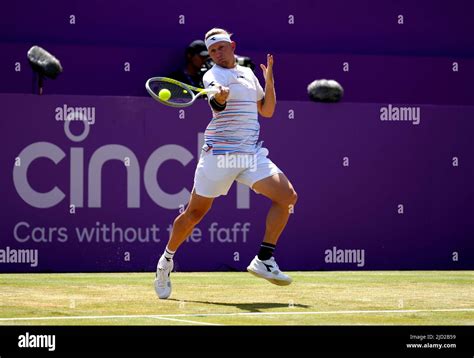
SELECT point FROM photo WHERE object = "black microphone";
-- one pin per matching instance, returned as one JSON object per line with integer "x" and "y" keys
{"x": 44, "y": 63}
{"x": 325, "y": 91}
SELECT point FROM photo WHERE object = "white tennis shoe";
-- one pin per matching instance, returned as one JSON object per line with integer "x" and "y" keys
{"x": 162, "y": 279}
{"x": 269, "y": 270}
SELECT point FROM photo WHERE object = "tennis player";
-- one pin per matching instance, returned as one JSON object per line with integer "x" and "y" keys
{"x": 234, "y": 131}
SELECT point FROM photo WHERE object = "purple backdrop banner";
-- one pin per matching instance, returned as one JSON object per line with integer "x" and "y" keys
{"x": 381, "y": 186}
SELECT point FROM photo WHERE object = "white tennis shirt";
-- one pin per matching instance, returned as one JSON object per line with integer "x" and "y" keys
{"x": 235, "y": 129}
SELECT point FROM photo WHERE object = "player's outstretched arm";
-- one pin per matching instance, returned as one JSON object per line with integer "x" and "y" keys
{"x": 266, "y": 106}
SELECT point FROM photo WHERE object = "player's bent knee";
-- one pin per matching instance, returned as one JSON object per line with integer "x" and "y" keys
{"x": 289, "y": 198}
{"x": 195, "y": 215}
{"x": 293, "y": 198}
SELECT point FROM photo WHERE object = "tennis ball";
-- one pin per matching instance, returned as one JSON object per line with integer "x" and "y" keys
{"x": 164, "y": 94}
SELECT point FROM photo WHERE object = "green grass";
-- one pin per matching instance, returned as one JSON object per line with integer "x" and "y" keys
{"x": 216, "y": 298}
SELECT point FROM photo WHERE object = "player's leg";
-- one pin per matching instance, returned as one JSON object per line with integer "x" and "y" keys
{"x": 210, "y": 181}
{"x": 183, "y": 226}
{"x": 267, "y": 179}
{"x": 185, "y": 222}
{"x": 283, "y": 196}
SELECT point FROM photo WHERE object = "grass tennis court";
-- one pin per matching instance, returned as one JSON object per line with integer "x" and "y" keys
{"x": 237, "y": 298}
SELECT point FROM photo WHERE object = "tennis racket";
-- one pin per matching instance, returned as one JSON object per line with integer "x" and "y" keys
{"x": 179, "y": 95}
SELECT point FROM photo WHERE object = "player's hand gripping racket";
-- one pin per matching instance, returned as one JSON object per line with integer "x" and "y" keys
{"x": 174, "y": 93}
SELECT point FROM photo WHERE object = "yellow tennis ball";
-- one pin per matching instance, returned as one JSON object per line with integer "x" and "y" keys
{"x": 164, "y": 94}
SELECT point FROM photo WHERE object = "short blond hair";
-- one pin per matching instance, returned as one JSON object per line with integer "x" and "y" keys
{"x": 215, "y": 31}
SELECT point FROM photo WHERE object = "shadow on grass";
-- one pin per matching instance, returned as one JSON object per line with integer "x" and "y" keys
{"x": 248, "y": 307}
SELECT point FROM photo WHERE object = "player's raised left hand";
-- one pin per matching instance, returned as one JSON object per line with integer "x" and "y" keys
{"x": 268, "y": 70}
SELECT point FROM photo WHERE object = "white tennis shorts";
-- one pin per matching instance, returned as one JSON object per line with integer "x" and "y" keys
{"x": 215, "y": 173}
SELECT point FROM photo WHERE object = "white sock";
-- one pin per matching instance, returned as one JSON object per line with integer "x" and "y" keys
{"x": 168, "y": 254}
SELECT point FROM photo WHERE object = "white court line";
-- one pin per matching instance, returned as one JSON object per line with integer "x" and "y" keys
{"x": 238, "y": 314}
{"x": 163, "y": 317}
{"x": 185, "y": 321}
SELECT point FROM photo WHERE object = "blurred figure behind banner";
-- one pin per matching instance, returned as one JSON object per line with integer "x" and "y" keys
{"x": 192, "y": 72}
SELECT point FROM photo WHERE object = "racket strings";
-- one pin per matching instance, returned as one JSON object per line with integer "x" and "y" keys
{"x": 178, "y": 94}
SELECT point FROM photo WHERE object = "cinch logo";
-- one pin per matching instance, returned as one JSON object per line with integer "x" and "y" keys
{"x": 97, "y": 160}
